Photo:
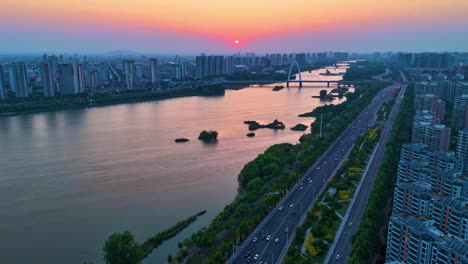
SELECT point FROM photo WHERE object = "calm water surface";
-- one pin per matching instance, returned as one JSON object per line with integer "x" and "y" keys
{"x": 69, "y": 179}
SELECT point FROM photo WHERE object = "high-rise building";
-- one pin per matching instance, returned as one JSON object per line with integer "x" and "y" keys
{"x": 103, "y": 70}
{"x": 417, "y": 240}
{"x": 228, "y": 65}
{"x": 301, "y": 58}
{"x": 450, "y": 215}
{"x": 3, "y": 92}
{"x": 438, "y": 137}
{"x": 209, "y": 66}
{"x": 423, "y": 101}
{"x": 94, "y": 80}
{"x": 435, "y": 136}
{"x": 80, "y": 77}
{"x": 18, "y": 79}
{"x": 460, "y": 107}
{"x": 130, "y": 74}
{"x": 48, "y": 87}
{"x": 180, "y": 71}
{"x": 413, "y": 198}
{"x": 68, "y": 81}
{"x": 462, "y": 148}
{"x": 438, "y": 109}
{"x": 154, "y": 72}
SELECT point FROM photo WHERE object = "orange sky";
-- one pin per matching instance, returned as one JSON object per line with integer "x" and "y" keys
{"x": 242, "y": 18}
{"x": 250, "y": 21}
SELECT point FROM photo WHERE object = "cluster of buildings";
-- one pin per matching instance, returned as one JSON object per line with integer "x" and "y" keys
{"x": 72, "y": 75}
{"x": 433, "y": 60}
{"x": 217, "y": 65}
{"x": 55, "y": 75}
{"x": 429, "y": 222}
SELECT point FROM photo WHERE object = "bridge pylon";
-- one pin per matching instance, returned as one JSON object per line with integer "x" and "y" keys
{"x": 299, "y": 72}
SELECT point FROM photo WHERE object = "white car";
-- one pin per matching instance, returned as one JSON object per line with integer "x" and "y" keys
{"x": 302, "y": 188}
{"x": 350, "y": 224}
{"x": 318, "y": 168}
{"x": 268, "y": 238}
{"x": 291, "y": 205}
{"x": 337, "y": 257}
{"x": 254, "y": 239}
{"x": 276, "y": 240}
{"x": 310, "y": 182}
{"x": 256, "y": 257}
{"x": 280, "y": 208}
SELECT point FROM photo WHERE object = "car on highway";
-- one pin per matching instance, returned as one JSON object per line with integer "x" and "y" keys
{"x": 308, "y": 179}
{"x": 337, "y": 257}
{"x": 268, "y": 238}
{"x": 291, "y": 205}
{"x": 256, "y": 257}
{"x": 324, "y": 163}
{"x": 350, "y": 224}
{"x": 302, "y": 188}
{"x": 280, "y": 207}
{"x": 310, "y": 182}
{"x": 318, "y": 168}
{"x": 286, "y": 230}
{"x": 254, "y": 239}
{"x": 247, "y": 260}
{"x": 276, "y": 240}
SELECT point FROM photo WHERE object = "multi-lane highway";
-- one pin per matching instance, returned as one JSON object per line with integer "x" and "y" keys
{"x": 282, "y": 221}
{"x": 342, "y": 243}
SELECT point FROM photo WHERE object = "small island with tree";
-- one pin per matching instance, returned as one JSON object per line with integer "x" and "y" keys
{"x": 251, "y": 134}
{"x": 254, "y": 125}
{"x": 324, "y": 96}
{"x": 278, "y": 88}
{"x": 208, "y": 136}
{"x": 299, "y": 127}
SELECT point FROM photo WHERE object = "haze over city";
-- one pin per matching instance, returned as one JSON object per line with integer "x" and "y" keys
{"x": 191, "y": 27}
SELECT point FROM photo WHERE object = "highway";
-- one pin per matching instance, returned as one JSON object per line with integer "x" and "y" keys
{"x": 342, "y": 241}
{"x": 281, "y": 223}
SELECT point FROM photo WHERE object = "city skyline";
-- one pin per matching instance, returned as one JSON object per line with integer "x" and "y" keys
{"x": 212, "y": 27}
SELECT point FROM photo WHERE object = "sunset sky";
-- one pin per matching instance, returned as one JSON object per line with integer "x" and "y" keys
{"x": 212, "y": 26}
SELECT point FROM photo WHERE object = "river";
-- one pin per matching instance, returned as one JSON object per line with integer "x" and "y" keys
{"x": 69, "y": 179}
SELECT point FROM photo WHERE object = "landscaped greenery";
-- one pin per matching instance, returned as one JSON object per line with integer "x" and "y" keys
{"x": 263, "y": 182}
{"x": 366, "y": 243}
{"x": 386, "y": 108}
{"x": 323, "y": 219}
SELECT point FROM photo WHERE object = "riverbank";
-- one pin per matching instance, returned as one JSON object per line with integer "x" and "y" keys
{"x": 23, "y": 106}
{"x": 265, "y": 180}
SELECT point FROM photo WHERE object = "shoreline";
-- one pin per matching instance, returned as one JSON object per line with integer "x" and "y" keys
{"x": 129, "y": 98}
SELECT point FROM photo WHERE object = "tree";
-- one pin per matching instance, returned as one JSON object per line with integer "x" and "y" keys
{"x": 121, "y": 248}
{"x": 323, "y": 93}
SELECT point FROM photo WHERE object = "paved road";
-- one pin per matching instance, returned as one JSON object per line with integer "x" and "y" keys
{"x": 280, "y": 223}
{"x": 343, "y": 241}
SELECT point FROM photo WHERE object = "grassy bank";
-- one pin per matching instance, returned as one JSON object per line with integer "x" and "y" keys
{"x": 122, "y": 247}
{"x": 366, "y": 244}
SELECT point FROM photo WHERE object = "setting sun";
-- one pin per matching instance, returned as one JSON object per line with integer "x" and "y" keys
{"x": 236, "y": 41}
